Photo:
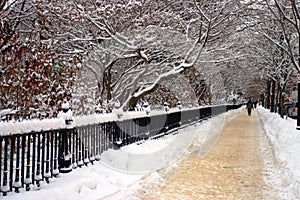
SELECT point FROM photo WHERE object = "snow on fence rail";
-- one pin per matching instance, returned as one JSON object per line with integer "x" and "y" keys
{"x": 28, "y": 159}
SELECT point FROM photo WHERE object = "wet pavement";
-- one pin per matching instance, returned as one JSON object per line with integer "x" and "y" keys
{"x": 233, "y": 169}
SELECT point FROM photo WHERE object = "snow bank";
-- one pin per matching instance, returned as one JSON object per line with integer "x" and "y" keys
{"x": 285, "y": 142}
{"x": 150, "y": 156}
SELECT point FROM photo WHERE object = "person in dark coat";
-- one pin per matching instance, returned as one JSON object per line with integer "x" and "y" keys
{"x": 249, "y": 107}
{"x": 255, "y": 104}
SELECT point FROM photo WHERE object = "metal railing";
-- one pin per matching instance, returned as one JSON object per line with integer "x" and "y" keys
{"x": 28, "y": 159}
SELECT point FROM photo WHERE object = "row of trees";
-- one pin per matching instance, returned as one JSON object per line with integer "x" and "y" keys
{"x": 276, "y": 33}
{"x": 99, "y": 52}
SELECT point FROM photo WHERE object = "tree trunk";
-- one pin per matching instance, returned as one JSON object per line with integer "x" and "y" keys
{"x": 281, "y": 102}
{"x": 277, "y": 99}
{"x": 273, "y": 96}
{"x": 268, "y": 97}
{"x": 106, "y": 89}
{"x": 262, "y": 99}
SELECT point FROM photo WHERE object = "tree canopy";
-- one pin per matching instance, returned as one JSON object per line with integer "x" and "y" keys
{"x": 96, "y": 53}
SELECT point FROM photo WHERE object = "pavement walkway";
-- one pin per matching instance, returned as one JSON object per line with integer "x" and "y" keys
{"x": 233, "y": 169}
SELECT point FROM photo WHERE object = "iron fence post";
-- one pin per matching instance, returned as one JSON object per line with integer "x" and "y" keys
{"x": 64, "y": 161}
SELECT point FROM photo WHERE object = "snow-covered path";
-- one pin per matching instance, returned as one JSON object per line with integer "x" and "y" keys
{"x": 234, "y": 169}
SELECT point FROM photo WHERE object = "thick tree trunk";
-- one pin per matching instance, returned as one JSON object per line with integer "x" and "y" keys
{"x": 106, "y": 83}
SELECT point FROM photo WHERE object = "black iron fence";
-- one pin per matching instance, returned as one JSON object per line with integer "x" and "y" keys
{"x": 28, "y": 159}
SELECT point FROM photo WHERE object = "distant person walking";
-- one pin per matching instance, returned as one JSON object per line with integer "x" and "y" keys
{"x": 249, "y": 106}
{"x": 255, "y": 104}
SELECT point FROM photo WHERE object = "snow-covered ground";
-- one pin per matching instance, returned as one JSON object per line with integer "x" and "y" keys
{"x": 119, "y": 172}
{"x": 284, "y": 140}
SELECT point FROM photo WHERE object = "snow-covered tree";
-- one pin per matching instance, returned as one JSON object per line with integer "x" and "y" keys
{"x": 157, "y": 44}
{"x": 287, "y": 15}
{"x": 35, "y": 77}
{"x": 127, "y": 50}
{"x": 275, "y": 47}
